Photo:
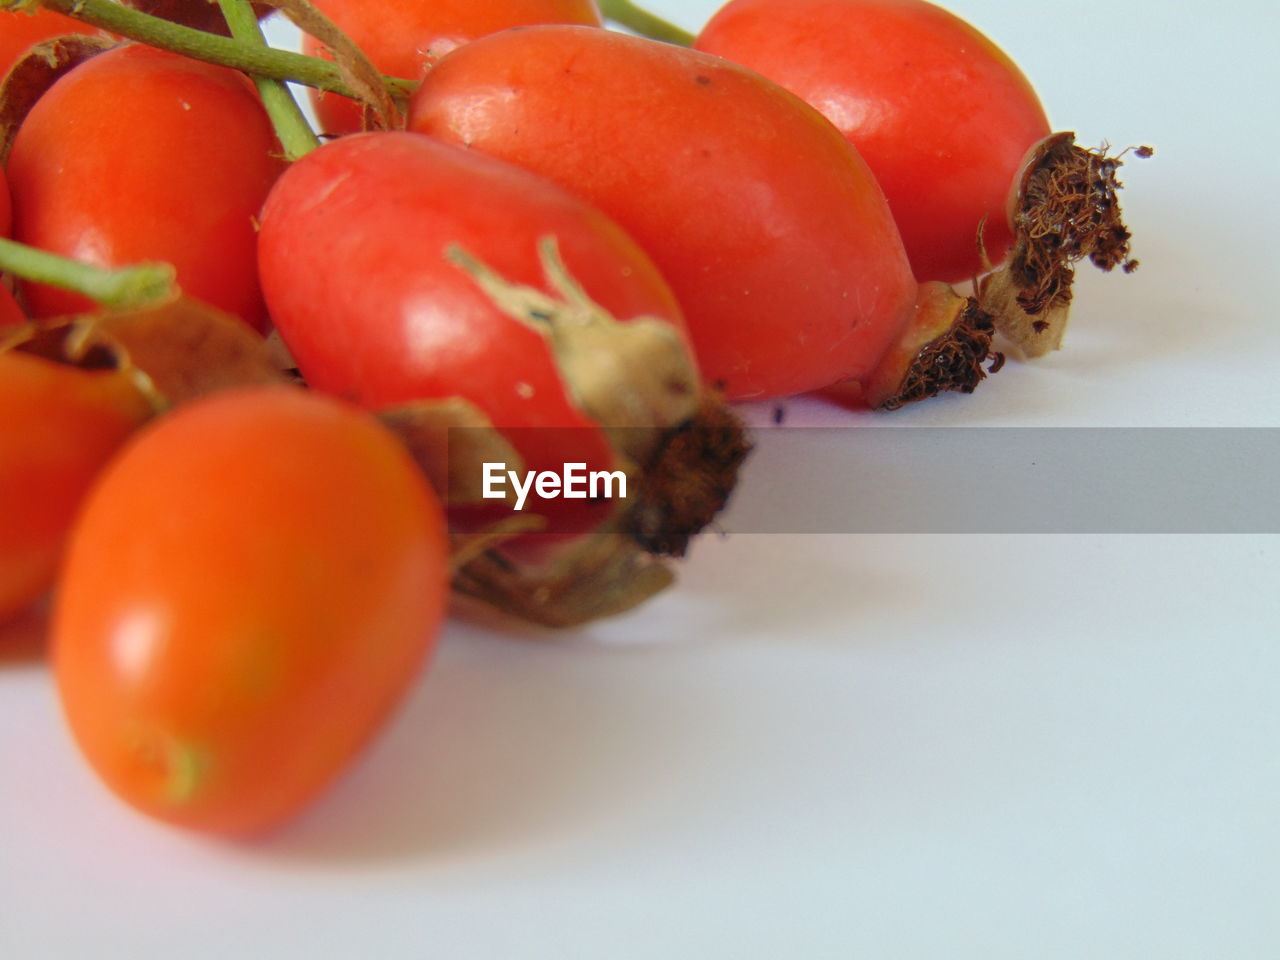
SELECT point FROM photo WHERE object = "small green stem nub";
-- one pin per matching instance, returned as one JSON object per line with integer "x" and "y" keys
{"x": 127, "y": 287}
{"x": 295, "y": 134}
{"x": 645, "y": 23}
{"x": 258, "y": 61}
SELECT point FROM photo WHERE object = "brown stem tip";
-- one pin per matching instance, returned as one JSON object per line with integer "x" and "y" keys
{"x": 1065, "y": 209}
{"x": 942, "y": 348}
{"x": 689, "y": 480}
{"x": 34, "y": 73}
{"x": 951, "y": 362}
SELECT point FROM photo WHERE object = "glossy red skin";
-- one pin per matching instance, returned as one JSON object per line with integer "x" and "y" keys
{"x": 942, "y": 116}
{"x": 403, "y": 38}
{"x": 140, "y": 155}
{"x": 19, "y": 32}
{"x": 770, "y": 229}
{"x": 352, "y": 261}
{"x": 252, "y": 586}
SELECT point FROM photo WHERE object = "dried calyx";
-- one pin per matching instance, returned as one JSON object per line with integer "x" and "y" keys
{"x": 171, "y": 353}
{"x": 953, "y": 361}
{"x": 381, "y": 111}
{"x": 1065, "y": 209}
{"x": 33, "y": 74}
{"x": 679, "y": 445}
{"x": 688, "y": 480}
{"x": 943, "y": 347}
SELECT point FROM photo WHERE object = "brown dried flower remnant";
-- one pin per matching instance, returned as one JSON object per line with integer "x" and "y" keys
{"x": 1067, "y": 210}
{"x": 637, "y": 380}
{"x": 689, "y": 480}
{"x": 953, "y": 361}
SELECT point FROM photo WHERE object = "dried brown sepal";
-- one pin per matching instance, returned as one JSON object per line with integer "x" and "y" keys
{"x": 360, "y": 75}
{"x": 1065, "y": 209}
{"x": 680, "y": 447}
{"x": 688, "y": 480}
{"x": 607, "y": 574}
{"x": 952, "y": 362}
{"x": 942, "y": 348}
{"x": 173, "y": 352}
{"x": 466, "y": 547}
{"x": 33, "y": 74}
{"x": 451, "y": 440}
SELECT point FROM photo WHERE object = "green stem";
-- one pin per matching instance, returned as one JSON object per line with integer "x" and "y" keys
{"x": 645, "y": 23}
{"x": 126, "y": 287}
{"x": 260, "y": 61}
{"x": 296, "y": 136}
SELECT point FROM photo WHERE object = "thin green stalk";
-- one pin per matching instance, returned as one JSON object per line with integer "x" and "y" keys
{"x": 134, "y": 286}
{"x": 260, "y": 61}
{"x": 295, "y": 134}
{"x": 645, "y": 23}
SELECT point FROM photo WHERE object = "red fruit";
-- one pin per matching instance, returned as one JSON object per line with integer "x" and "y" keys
{"x": 19, "y": 32}
{"x": 403, "y": 38}
{"x": 141, "y": 155}
{"x": 771, "y": 231}
{"x": 251, "y": 588}
{"x": 353, "y": 259}
{"x": 941, "y": 115}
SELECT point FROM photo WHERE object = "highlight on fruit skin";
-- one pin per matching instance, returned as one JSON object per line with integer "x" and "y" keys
{"x": 442, "y": 289}
{"x": 950, "y": 126}
{"x": 770, "y": 229}
{"x": 939, "y": 112}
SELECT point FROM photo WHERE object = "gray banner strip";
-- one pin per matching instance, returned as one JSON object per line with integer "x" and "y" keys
{"x": 1010, "y": 480}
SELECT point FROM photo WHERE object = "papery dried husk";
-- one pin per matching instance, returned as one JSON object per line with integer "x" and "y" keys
{"x": 38, "y": 70}
{"x": 451, "y": 440}
{"x": 635, "y": 378}
{"x": 173, "y": 352}
{"x": 602, "y": 576}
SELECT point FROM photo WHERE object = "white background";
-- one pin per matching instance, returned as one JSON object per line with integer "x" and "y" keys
{"x": 825, "y": 746}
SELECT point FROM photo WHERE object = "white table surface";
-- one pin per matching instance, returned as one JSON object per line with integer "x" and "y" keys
{"x": 882, "y": 746}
